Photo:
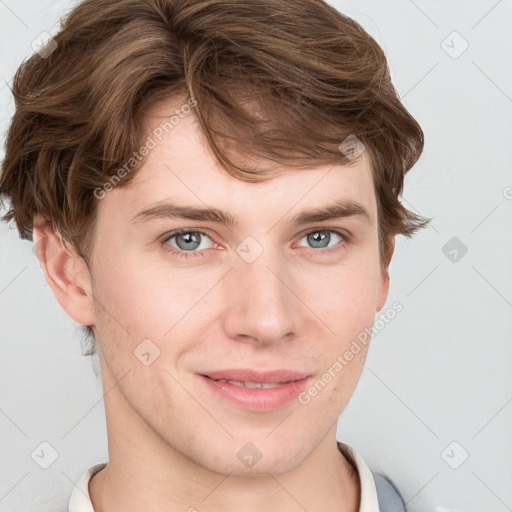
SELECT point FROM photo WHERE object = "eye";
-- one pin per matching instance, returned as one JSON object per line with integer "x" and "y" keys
{"x": 191, "y": 243}
{"x": 322, "y": 238}
{"x": 184, "y": 241}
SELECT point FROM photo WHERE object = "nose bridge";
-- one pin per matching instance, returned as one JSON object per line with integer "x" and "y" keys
{"x": 260, "y": 304}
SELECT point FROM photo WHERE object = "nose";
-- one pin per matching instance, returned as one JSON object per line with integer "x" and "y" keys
{"x": 262, "y": 304}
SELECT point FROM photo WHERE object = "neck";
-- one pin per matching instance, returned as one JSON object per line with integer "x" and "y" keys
{"x": 144, "y": 469}
{"x": 129, "y": 483}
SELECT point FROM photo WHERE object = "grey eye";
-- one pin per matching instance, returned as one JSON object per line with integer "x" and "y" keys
{"x": 321, "y": 239}
{"x": 189, "y": 240}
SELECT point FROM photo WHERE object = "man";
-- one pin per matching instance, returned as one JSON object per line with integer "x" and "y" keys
{"x": 213, "y": 190}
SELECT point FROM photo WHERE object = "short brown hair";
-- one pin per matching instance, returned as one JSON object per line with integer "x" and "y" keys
{"x": 315, "y": 75}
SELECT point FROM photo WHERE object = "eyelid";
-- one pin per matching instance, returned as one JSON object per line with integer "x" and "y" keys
{"x": 203, "y": 231}
{"x": 171, "y": 234}
{"x": 346, "y": 238}
{"x": 346, "y": 235}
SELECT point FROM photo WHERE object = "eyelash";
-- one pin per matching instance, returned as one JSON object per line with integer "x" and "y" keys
{"x": 345, "y": 239}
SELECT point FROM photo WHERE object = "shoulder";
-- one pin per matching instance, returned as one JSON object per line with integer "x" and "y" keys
{"x": 390, "y": 499}
{"x": 378, "y": 492}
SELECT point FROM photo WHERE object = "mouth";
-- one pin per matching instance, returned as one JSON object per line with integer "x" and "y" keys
{"x": 251, "y": 385}
{"x": 256, "y": 391}
{"x": 249, "y": 375}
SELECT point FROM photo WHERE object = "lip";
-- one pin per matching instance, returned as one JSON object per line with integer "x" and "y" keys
{"x": 251, "y": 375}
{"x": 255, "y": 399}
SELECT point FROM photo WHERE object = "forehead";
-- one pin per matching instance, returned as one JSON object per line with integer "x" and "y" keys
{"x": 181, "y": 166}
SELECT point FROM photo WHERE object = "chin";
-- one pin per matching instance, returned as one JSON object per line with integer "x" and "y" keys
{"x": 259, "y": 469}
{"x": 247, "y": 460}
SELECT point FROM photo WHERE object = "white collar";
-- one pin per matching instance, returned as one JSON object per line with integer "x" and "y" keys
{"x": 369, "y": 501}
{"x": 80, "y": 500}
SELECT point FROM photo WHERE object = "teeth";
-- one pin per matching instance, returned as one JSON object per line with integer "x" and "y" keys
{"x": 260, "y": 385}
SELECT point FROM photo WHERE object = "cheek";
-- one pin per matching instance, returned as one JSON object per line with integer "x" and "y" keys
{"x": 148, "y": 298}
{"x": 346, "y": 305}
{"x": 331, "y": 390}
{"x": 344, "y": 299}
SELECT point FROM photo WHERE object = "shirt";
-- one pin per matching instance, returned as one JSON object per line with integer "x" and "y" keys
{"x": 377, "y": 494}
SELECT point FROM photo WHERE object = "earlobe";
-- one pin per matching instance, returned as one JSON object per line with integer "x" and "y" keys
{"x": 65, "y": 271}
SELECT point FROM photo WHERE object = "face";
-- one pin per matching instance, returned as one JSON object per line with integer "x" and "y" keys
{"x": 263, "y": 292}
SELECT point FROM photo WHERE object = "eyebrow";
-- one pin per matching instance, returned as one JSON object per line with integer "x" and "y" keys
{"x": 340, "y": 209}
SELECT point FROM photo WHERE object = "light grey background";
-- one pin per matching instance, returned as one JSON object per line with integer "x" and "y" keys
{"x": 439, "y": 373}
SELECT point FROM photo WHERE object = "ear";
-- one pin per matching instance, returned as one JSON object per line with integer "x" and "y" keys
{"x": 384, "y": 284}
{"x": 66, "y": 272}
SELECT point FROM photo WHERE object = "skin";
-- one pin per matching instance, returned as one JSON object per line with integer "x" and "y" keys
{"x": 172, "y": 443}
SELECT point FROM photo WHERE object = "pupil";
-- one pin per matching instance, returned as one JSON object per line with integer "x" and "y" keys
{"x": 318, "y": 237}
{"x": 188, "y": 238}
